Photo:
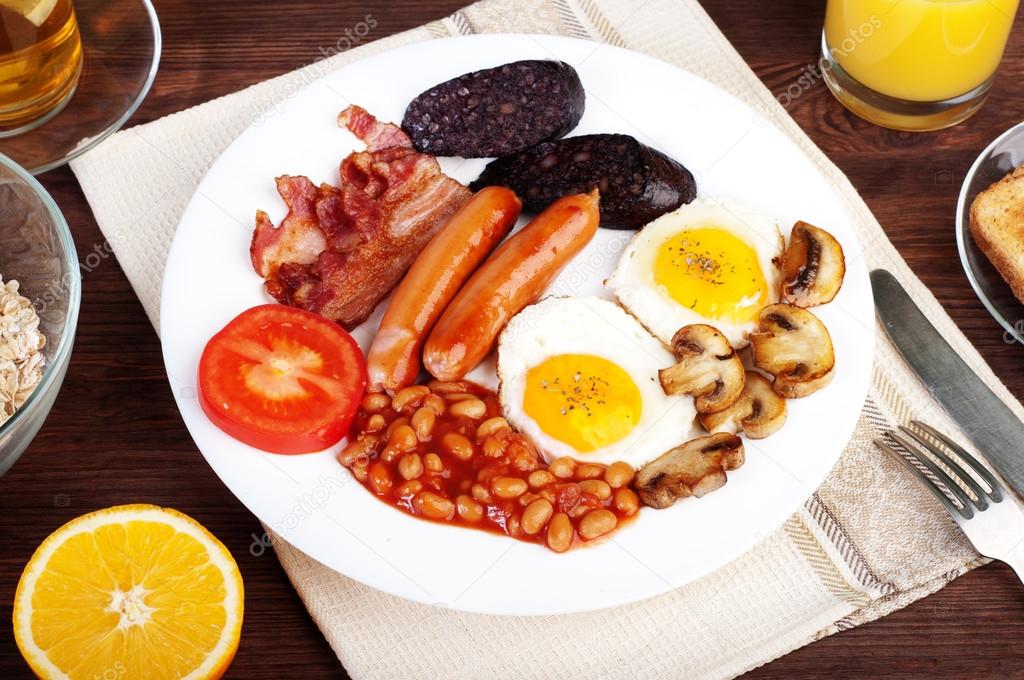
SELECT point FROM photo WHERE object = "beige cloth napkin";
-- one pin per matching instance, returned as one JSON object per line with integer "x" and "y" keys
{"x": 867, "y": 543}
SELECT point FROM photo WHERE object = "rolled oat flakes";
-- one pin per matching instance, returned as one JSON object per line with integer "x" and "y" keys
{"x": 21, "y": 344}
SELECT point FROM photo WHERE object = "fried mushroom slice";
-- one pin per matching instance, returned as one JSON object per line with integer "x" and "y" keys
{"x": 758, "y": 412}
{"x": 708, "y": 368}
{"x": 794, "y": 346}
{"x": 694, "y": 469}
{"x": 813, "y": 266}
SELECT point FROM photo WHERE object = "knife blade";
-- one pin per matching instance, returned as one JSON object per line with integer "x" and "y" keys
{"x": 992, "y": 427}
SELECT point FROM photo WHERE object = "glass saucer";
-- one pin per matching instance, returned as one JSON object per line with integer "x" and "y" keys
{"x": 121, "y": 51}
{"x": 994, "y": 163}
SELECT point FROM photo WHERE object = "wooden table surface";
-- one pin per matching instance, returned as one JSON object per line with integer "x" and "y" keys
{"x": 115, "y": 435}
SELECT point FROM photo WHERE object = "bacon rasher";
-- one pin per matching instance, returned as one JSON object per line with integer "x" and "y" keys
{"x": 340, "y": 251}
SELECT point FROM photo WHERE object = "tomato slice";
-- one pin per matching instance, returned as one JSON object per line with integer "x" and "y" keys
{"x": 282, "y": 379}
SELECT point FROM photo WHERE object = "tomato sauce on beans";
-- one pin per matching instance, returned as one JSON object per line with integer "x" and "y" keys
{"x": 444, "y": 453}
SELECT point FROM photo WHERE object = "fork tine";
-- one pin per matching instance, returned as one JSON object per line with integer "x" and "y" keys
{"x": 997, "y": 489}
{"x": 954, "y": 512}
{"x": 968, "y": 510}
{"x": 982, "y": 495}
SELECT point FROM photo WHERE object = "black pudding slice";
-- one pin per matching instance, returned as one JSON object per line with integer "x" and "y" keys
{"x": 637, "y": 183}
{"x": 496, "y": 111}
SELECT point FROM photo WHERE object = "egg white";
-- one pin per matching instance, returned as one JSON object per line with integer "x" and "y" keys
{"x": 634, "y": 285}
{"x": 590, "y": 325}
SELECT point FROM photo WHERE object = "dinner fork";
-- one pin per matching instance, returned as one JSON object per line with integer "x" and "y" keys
{"x": 977, "y": 502}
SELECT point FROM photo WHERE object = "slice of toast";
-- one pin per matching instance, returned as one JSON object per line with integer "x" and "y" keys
{"x": 997, "y": 224}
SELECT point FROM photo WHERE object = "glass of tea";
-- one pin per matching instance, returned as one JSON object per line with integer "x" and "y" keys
{"x": 914, "y": 64}
{"x": 40, "y": 61}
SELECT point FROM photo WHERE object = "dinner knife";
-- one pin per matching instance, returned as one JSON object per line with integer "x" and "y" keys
{"x": 996, "y": 432}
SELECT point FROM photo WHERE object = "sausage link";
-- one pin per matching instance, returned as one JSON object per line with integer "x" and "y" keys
{"x": 393, "y": 361}
{"x": 513, "y": 277}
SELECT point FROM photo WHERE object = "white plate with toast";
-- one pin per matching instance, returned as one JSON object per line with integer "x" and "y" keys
{"x": 314, "y": 504}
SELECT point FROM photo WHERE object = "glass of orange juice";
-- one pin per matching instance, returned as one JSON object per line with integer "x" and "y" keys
{"x": 914, "y": 64}
{"x": 40, "y": 61}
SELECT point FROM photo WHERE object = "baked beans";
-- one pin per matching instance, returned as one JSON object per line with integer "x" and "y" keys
{"x": 433, "y": 462}
{"x": 560, "y": 533}
{"x": 596, "y": 487}
{"x": 469, "y": 509}
{"x": 596, "y": 523}
{"x": 619, "y": 474}
{"x": 423, "y": 422}
{"x": 443, "y": 452}
{"x": 409, "y": 395}
{"x": 410, "y": 466}
{"x": 626, "y": 502}
{"x": 536, "y": 515}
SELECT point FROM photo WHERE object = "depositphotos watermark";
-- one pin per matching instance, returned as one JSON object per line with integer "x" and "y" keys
{"x": 812, "y": 74}
{"x": 856, "y": 36}
{"x": 115, "y": 672}
{"x": 351, "y": 37}
{"x": 309, "y": 503}
{"x": 1011, "y": 337}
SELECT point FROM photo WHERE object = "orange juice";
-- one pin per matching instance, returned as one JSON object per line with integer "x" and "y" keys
{"x": 919, "y": 50}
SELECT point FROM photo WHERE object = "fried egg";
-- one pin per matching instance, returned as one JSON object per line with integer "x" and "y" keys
{"x": 706, "y": 262}
{"x": 579, "y": 377}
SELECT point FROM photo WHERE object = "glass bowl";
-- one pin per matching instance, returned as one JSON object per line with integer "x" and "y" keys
{"x": 36, "y": 248}
{"x": 994, "y": 163}
{"x": 121, "y": 45}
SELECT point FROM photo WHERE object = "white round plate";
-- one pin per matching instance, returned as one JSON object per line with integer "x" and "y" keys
{"x": 316, "y": 506}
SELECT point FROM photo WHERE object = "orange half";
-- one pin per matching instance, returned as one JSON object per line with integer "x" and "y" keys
{"x": 133, "y": 591}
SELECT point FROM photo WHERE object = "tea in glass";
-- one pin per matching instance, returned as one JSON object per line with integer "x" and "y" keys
{"x": 40, "y": 61}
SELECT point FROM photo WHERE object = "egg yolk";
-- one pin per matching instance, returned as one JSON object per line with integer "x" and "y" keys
{"x": 585, "y": 401}
{"x": 713, "y": 272}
